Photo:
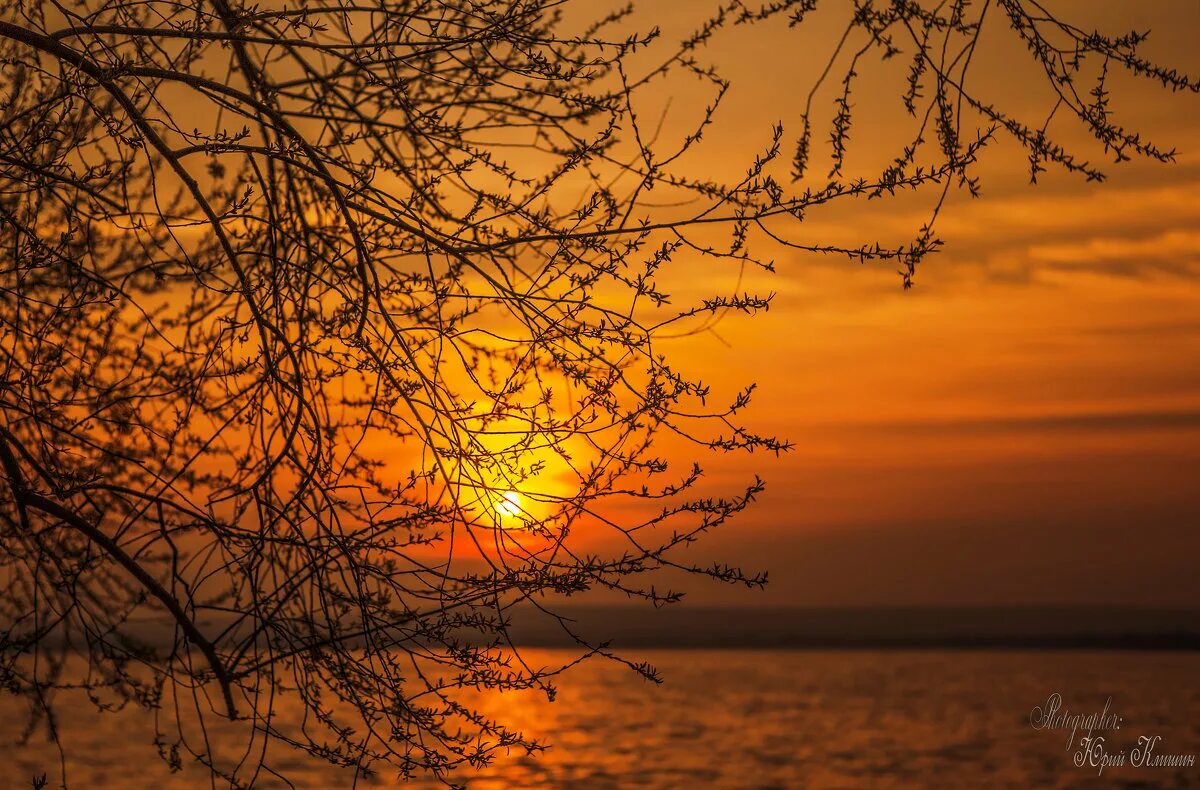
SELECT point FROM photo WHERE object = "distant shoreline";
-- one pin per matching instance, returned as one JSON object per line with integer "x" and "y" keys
{"x": 992, "y": 628}
{"x": 692, "y": 627}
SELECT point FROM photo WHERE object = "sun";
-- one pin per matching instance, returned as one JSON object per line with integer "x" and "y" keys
{"x": 509, "y": 506}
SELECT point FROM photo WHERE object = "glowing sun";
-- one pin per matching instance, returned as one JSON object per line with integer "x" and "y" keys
{"x": 509, "y": 506}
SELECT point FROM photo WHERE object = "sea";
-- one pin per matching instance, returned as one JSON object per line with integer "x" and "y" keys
{"x": 737, "y": 718}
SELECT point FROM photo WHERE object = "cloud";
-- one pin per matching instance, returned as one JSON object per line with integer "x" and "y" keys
{"x": 1146, "y": 420}
{"x": 1171, "y": 252}
{"x": 1137, "y": 228}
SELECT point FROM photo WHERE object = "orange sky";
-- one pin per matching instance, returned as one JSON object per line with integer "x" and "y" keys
{"x": 1024, "y": 425}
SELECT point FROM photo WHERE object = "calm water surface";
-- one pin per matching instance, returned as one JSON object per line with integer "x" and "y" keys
{"x": 764, "y": 719}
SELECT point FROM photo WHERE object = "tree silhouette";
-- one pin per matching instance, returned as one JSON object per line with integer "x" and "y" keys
{"x": 330, "y": 335}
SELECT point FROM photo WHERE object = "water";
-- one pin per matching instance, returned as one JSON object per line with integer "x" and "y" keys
{"x": 765, "y": 719}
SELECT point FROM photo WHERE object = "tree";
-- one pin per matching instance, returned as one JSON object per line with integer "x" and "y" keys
{"x": 330, "y": 335}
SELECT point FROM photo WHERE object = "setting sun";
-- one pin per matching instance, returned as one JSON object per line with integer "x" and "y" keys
{"x": 509, "y": 507}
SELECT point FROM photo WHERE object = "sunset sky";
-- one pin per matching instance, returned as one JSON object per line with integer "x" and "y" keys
{"x": 1021, "y": 427}
{"x": 372, "y": 371}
